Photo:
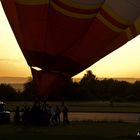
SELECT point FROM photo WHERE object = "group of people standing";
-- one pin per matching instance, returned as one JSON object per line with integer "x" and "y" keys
{"x": 41, "y": 113}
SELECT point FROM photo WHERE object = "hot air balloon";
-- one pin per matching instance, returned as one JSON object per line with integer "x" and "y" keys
{"x": 64, "y": 37}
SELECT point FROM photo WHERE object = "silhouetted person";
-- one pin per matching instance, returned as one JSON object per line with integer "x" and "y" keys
{"x": 44, "y": 106}
{"x": 26, "y": 115}
{"x": 17, "y": 115}
{"x": 57, "y": 115}
{"x": 35, "y": 112}
{"x": 62, "y": 101}
{"x": 65, "y": 115}
{"x": 53, "y": 116}
{"x": 111, "y": 102}
{"x": 139, "y": 117}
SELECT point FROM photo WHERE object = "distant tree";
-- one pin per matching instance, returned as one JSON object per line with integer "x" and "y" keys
{"x": 29, "y": 90}
{"x": 7, "y": 92}
{"x": 88, "y": 77}
{"x": 114, "y": 89}
{"x": 135, "y": 90}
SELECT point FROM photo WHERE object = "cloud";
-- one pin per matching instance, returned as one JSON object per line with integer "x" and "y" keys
{"x": 11, "y": 60}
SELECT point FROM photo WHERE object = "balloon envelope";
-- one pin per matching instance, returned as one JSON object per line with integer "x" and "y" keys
{"x": 64, "y": 37}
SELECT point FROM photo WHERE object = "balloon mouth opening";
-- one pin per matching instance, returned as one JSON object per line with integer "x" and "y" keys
{"x": 37, "y": 68}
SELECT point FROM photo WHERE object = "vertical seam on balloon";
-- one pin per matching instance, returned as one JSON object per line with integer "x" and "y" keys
{"x": 137, "y": 25}
{"x": 47, "y": 27}
{"x": 129, "y": 34}
{"x": 133, "y": 30}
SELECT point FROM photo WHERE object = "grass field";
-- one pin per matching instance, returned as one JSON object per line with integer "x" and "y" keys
{"x": 86, "y": 106}
{"x": 81, "y": 130}
{"x": 76, "y": 130}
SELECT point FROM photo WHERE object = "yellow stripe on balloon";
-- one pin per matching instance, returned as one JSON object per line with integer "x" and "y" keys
{"x": 129, "y": 34}
{"x": 108, "y": 24}
{"x": 79, "y": 5}
{"x": 72, "y": 14}
{"x": 137, "y": 25}
{"x": 32, "y": 2}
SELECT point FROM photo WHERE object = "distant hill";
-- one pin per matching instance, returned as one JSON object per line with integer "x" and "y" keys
{"x": 22, "y": 80}
{"x": 14, "y": 80}
{"x": 130, "y": 80}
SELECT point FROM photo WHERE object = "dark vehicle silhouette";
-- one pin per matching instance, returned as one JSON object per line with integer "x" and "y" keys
{"x": 4, "y": 114}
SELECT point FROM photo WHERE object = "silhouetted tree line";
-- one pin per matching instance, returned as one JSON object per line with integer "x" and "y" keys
{"x": 8, "y": 93}
{"x": 89, "y": 88}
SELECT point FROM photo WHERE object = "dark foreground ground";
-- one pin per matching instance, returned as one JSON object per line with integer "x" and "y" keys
{"x": 75, "y": 130}
{"x": 82, "y": 130}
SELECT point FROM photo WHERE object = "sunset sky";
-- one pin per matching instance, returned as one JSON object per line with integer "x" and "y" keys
{"x": 124, "y": 62}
